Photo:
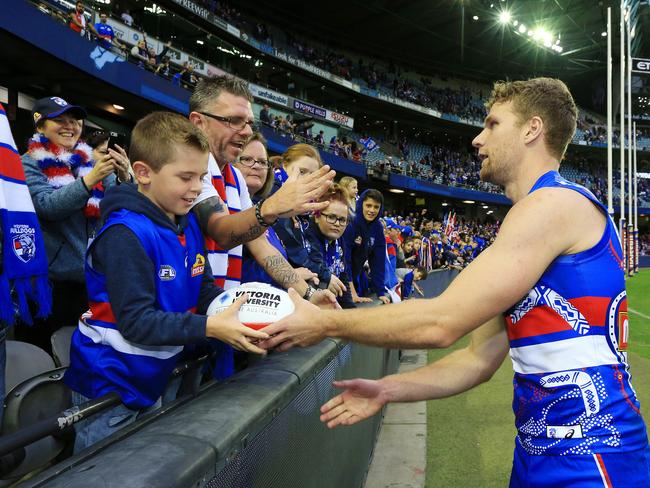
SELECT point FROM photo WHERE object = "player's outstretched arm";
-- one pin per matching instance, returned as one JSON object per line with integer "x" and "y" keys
{"x": 537, "y": 230}
{"x": 455, "y": 373}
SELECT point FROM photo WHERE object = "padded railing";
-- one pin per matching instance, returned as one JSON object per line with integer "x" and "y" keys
{"x": 259, "y": 428}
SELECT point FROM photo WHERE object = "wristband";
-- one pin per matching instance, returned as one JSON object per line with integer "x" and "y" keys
{"x": 258, "y": 214}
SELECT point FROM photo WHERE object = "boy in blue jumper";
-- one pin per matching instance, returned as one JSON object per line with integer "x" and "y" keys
{"x": 364, "y": 241}
{"x": 148, "y": 281}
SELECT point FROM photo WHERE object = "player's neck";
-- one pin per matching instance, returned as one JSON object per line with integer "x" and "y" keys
{"x": 527, "y": 175}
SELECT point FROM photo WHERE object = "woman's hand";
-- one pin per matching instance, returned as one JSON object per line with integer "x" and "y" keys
{"x": 121, "y": 163}
{"x": 102, "y": 168}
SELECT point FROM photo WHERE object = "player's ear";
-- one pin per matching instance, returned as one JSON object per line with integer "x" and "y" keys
{"x": 534, "y": 129}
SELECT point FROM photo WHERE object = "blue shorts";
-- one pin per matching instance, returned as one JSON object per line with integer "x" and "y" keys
{"x": 626, "y": 469}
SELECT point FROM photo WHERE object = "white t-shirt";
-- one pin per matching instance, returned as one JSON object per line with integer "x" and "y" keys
{"x": 209, "y": 190}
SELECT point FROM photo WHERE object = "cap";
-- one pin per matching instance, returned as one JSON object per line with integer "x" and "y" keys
{"x": 391, "y": 224}
{"x": 51, "y": 107}
{"x": 407, "y": 231}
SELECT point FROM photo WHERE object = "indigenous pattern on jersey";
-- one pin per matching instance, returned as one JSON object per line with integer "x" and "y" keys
{"x": 226, "y": 265}
{"x": 101, "y": 359}
{"x": 568, "y": 342}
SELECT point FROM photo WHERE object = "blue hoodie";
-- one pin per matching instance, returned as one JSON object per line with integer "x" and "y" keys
{"x": 364, "y": 241}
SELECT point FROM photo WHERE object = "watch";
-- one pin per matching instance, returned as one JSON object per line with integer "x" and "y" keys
{"x": 309, "y": 293}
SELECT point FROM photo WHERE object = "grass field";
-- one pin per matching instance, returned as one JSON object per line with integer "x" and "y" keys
{"x": 470, "y": 436}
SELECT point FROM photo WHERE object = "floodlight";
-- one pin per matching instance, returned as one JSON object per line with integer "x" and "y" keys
{"x": 475, "y": 17}
{"x": 522, "y": 28}
{"x": 504, "y": 17}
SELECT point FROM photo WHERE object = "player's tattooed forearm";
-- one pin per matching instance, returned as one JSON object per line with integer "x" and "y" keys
{"x": 206, "y": 209}
{"x": 280, "y": 270}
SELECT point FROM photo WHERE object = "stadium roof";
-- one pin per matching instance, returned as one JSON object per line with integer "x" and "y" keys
{"x": 565, "y": 37}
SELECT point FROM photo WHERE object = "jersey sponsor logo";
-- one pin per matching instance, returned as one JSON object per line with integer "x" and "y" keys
{"x": 166, "y": 273}
{"x": 199, "y": 266}
{"x": 564, "y": 431}
{"x": 623, "y": 331}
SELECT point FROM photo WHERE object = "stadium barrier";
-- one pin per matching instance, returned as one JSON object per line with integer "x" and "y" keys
{"x": 260, "y": 428}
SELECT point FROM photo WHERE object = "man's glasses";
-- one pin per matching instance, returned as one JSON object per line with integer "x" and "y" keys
{"x": 333, "y": 219}
{"x": 250, "y": 162}
{"x": 235, "y": 123}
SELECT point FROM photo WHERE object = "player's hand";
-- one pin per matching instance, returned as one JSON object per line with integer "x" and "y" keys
{"x": 304, "y": 327}
{"x": 336, "y": 286}
{"x": 226, "y": 327}
{"x": 384, "y": 299}
{"x": 360, "y": 400}
{"x": 324, "y": 299}
{"x": 298, "y": 194}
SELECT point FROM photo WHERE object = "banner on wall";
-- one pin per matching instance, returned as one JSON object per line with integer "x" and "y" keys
{"x": 268, "y": 95}
{"x": 310, "y": 109}
{"x": 340, "y": 119}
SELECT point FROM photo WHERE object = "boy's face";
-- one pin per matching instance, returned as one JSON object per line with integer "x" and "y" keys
{"x": 175, "y": 187}
{"x": 370, "y": 209}
{"x": 325, "y": 220}
{"x": 417, "y": 276}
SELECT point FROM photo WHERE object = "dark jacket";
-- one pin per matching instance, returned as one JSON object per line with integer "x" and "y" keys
{"x": 364, "y": 241}
{"x": 130, "y": 276}
{"x": 332, "y": 263}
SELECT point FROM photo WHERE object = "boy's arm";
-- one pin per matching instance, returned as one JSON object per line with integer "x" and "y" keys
{"x": 131, "y": 287}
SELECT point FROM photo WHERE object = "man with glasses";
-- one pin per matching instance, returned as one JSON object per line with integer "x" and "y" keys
{"x": 221, "y": 108}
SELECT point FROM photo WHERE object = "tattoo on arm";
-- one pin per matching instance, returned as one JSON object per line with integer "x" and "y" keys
{"x": 205, "y": 209}
{"x": 280, "y": 270}
{"x": 254, "y": 231}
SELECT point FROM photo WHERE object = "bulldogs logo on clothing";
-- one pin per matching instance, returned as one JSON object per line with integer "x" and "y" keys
{"x": 24, "y": 245}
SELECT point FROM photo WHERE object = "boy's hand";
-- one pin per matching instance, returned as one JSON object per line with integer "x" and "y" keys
{"x": 226, "y": 327}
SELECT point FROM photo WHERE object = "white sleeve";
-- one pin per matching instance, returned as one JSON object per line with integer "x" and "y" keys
{"x": 208, "y": 190}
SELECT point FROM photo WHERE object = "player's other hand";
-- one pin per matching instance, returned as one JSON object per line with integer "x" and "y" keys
{"x": 360, "y": 399}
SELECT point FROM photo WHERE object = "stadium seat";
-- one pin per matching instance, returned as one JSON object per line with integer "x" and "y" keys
{"x": 34, "y": 392}
{"x": 25, "y": 361}
{"x": 61, "y": 345}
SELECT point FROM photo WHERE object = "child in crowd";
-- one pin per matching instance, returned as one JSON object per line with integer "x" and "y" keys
{"x": 408, "y": 279}
{"x": 148, "y": 281}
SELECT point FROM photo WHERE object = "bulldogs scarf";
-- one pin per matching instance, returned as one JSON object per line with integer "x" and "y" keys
{"x": 62, "y": 167}
{"x": 24, "y": 262}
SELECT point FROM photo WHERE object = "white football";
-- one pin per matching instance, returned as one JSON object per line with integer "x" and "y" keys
{"x": 266, "y": 304}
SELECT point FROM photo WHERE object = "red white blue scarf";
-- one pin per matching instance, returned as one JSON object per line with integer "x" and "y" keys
{"x": 62, "y": 167}
{"x": 23, "y": 271}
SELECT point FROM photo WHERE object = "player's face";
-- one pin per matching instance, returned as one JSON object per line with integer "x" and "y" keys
{"x": 255, "y": 176}
{"x": 175, "y": 187}
{"x": 499, "y": 144}
{"x": 336, "y": 209}
{"x": 226, "y": 144}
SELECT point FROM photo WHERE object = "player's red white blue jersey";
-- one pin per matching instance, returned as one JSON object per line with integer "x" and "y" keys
{"x": 568, "y": 341}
